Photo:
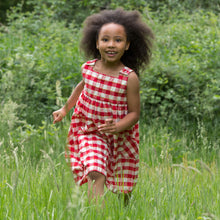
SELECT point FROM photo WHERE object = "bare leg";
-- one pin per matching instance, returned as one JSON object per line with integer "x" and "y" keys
{"x": 96, "y": 182}
{"x": 126, "y": 198}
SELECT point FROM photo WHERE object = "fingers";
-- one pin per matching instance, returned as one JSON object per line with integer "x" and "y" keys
{"x": 108, "y": 127}
{"x": 57, "y": 116}
{"x": 109, "y": 121}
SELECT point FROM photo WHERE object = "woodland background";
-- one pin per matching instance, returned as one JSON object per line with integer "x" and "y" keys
{"x": 40, "y": 55}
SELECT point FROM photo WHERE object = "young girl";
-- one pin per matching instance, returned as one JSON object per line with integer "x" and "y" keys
{"x": 103, "y": 136}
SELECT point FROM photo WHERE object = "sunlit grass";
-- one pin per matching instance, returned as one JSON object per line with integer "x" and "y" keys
{"x": 182, "y": 188}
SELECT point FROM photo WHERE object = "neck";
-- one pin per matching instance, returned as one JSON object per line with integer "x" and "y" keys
{"x": 111, "y": 65}
{"x": 108, "y": 68}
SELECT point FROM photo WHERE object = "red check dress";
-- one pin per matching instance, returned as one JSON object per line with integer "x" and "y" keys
{"x": 115, "y": 156}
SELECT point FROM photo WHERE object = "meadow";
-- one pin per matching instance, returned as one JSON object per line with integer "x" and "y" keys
{"x": 36, "y": 182}
{"x": 180, "y": 120}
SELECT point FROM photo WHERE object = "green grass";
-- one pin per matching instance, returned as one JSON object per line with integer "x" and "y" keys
{"x": 179, "y": 162}
{"x": 169, "y": 186}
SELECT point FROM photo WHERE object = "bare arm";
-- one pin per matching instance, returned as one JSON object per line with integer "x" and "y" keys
{"x": 59, "y": 114}
{"x": 133, "y": 98}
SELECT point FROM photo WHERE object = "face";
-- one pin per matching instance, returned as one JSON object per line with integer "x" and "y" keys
{"x": 112, "y": 42}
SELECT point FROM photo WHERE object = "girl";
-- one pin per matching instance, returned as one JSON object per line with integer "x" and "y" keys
{"x": 103, "y": 136}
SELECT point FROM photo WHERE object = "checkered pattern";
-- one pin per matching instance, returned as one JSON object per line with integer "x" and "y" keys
{"x": 115, "y": 156}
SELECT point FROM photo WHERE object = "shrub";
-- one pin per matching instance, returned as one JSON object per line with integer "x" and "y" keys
{"x": 35, "y": 53}
{"x": 183, "y": 79}
{"x": 40, "y": 63}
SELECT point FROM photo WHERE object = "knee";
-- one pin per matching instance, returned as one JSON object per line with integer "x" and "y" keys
{"x": 94, "y": 176}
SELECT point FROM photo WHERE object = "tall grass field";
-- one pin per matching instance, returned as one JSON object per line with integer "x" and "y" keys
{"x": 40, "y": 64}
{"x": 36, "y": 183}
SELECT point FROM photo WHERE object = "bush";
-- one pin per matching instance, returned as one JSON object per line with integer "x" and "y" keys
{"x": 37, "y": 54}
{"x": 40, "y": 63}
{"x": 183, "y": 80}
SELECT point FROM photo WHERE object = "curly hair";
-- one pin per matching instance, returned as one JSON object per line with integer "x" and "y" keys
{"x": 138, "y": 34}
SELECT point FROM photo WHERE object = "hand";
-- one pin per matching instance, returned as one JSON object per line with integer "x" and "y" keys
{"x": 58, "y": 115}
{"x": 108, "y": 127}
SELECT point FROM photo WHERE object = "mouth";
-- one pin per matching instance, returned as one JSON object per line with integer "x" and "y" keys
{"x": 111, "y": 53}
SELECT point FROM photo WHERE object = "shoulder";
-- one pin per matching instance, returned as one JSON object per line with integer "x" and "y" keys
{"x": 133, "y": 81}
{"x": 133, "y": 77}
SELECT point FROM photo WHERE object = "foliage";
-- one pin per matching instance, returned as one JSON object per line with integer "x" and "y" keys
{"x": 70, "y": 10}
{"x": 186, "y": 5}
{"x": 39, "y": 56}
{"x": 40, "y": 62}
{"x": 183, "y": 79}
{"x": 4, "y": 6}
{"x": 36, "y": 56}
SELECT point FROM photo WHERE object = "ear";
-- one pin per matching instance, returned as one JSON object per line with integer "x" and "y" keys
{"x": 127, "y": 46}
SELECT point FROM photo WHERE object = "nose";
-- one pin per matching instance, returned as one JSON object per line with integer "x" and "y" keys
{"x": 111, "y": 43}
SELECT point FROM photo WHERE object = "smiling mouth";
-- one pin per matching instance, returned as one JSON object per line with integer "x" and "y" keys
{"x": 111, "y": 53}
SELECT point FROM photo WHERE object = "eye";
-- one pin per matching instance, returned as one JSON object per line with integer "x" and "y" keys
{"x": 118, "y": 40}
{"x": 104, "y": 39}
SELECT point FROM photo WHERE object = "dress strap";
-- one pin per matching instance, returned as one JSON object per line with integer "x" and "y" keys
{"x": 91, "y": 62}
{"x": 126, "y": 71}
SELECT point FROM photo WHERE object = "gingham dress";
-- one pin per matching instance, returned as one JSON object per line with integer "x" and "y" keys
{"x": 115, "y": 156}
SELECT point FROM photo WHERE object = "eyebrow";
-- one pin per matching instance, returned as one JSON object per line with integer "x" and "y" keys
{"x": 114, "y": 36}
